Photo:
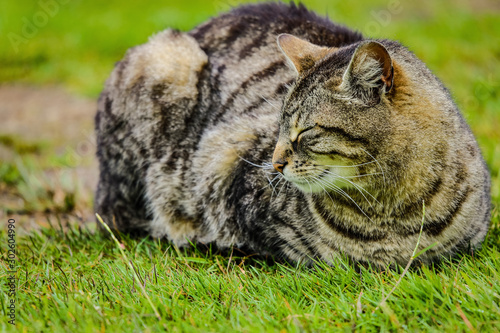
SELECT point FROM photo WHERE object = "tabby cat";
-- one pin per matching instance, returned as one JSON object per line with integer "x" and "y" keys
{"x": 274, "y": 129}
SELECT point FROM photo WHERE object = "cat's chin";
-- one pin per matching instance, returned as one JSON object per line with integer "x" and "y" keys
{"x": 308, "y": 188}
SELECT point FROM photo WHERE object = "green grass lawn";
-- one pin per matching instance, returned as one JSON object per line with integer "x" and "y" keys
{"x": 75, "y": 279}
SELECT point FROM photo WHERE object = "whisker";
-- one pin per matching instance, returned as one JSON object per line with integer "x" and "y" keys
{"x": 310, "y": 188}
{"x": 357, "y": 186}
{"x": 316, "y": 181}
{"x": 279, "y": 181}
{"x": 263, "y": 166}
{"x": 271, "y": 183}
{"x": 348, "y": 166}
{"x": 334, "y": 187}
{"x": 282, "y": 186}
{"x": 364, "y": 175}
{"x": 321, "y": 183}
{"x": 270, "y": 173}
{"x": 383, "y": 175}
{"x": 265, "y": 99}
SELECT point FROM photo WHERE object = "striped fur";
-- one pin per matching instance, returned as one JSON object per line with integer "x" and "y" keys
{"x": 189, "y": 123}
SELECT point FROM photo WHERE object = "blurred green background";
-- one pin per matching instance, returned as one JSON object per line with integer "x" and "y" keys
{"x": 74, "y": 44}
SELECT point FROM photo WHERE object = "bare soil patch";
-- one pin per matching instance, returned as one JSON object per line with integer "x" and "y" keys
{"x": 62, "y": 124}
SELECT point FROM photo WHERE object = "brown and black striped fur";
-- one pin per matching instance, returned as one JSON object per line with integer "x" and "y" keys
{"x": 361, "y": 132}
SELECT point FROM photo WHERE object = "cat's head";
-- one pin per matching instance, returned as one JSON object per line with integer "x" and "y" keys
{"x": 334, "y": 120}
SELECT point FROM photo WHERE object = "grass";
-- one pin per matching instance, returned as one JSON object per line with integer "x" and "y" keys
{"x": 72, "y": 278}
{"x": 78, "y": 281}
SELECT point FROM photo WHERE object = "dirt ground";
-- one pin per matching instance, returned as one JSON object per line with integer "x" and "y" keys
{"x": 63, "y": 123}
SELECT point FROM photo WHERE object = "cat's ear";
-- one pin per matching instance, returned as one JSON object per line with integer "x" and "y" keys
{"x": 370, "y": 73}
{"x": 300, "y": 54}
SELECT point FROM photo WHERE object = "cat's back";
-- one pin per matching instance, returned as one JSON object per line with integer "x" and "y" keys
{"x": 245, "y": 66}
{"x": 245, "y": 29}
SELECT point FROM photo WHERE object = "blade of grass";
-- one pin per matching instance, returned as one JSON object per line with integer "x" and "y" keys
{"x": 382, "y": 302}
{"x": 157, "y": 314}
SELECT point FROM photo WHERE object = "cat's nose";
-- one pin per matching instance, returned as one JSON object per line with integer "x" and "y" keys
{"x": 279, "y": 165}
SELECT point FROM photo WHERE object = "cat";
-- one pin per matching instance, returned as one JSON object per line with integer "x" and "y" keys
{"x": 272, "y": 128}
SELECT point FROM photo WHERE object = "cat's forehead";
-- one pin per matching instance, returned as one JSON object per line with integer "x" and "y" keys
{"x": 311, "y": 100}
{"x": 315, "y": 107}
{"x": 313, "y": 87}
